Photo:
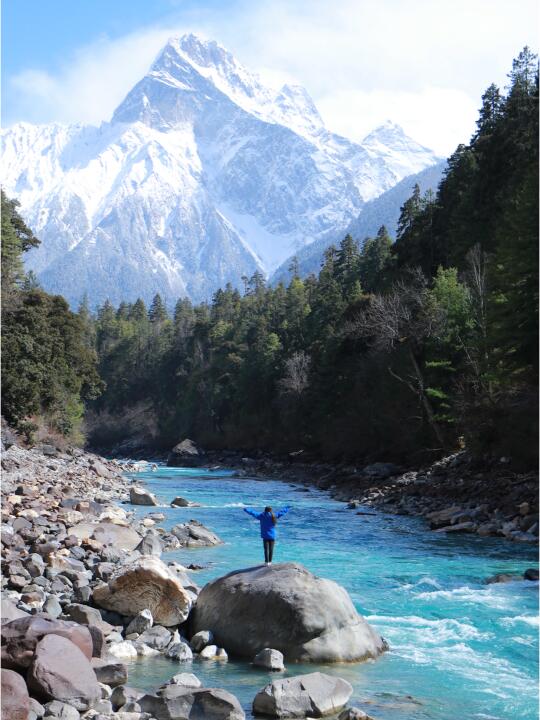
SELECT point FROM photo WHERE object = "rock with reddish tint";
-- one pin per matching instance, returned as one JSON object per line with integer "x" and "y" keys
{"x": 60, "y": 671}
{"x": 15, "y": 698}
{"x": 20, "y": 638}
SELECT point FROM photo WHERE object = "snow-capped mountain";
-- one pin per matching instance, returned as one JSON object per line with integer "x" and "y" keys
{"x": 203, "y": 175}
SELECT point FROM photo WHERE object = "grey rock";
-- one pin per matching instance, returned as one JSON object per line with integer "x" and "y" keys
{"x": 183, "y": 502}
{"x": 157, "y": 637}
{"x": 201, "y": 639}
{"x": 110, "y": 673}
{"x": 98, "y": 640}
{"x": 150, "y": 544}
{"x": 312, "y": 695}
{"x": 179, "y": 651}
{"x": 184, "y": 454}
{"x": 108, "y": 533}
{"x": 125, "y": 649}
{"x": 83, "y": 614}
{"x": 52, "y": 606}
{"x": 104, "y": 706}
{"x": 124, "y": 694}
{"x": 353, "y": 713}
{"x": 187, "y": 680}
{"x": 286, "y": 607}
{"x": 60, "y": 671}
{"x": 195, "y": 534}
{"x": 61, "y": 710}
{"x": 140, "y": 496}
{"x": 36, "y": 708}
{"x": 10, "y": 611}
{"x": 141, "y": 622}
{"x": 184, "y": 704}
{"x": 269, "y": 659}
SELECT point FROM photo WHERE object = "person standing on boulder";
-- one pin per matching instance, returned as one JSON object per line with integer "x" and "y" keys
{"x": 268, "y": 519}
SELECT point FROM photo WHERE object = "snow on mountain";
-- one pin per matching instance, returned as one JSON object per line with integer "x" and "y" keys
{"x": 203, "y": 175}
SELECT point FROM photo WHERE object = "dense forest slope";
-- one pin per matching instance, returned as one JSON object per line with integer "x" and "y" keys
{"x": 398, "y": 350}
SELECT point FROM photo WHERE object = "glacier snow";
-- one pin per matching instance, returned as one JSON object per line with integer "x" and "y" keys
{"x": 202, "y": 176}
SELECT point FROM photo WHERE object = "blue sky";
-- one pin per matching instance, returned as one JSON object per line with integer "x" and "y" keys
{"x": 421, "y": 63}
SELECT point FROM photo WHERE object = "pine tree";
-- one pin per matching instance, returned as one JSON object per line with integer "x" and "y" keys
{"x": 375, "y": 256}
{"x": 347, "y": 269}
{"x": 157, "y": 313}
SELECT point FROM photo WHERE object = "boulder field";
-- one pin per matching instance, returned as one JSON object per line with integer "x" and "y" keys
{"x": 287, "y": 608}
{"x": 84, "y": 592}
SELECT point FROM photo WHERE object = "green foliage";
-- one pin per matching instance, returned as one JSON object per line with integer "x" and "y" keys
{"x": 391, "y": 351}
{"x": 48, "y": 355}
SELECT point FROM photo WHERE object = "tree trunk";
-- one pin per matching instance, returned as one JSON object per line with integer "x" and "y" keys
{"x": 424, "y": 398}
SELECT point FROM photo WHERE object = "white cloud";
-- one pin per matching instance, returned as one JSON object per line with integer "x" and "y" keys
{"x": 436, "y": 117}
{"x": 91, "y": 85}
{"x": 421, "y": 63}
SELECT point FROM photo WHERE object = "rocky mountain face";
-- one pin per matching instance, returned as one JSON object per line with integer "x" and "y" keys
{"x": 382, "y": 210}
{"x": 203, "y": 175}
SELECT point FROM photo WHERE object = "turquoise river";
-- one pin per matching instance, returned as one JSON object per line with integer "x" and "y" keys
{"x": 460, "y": 648}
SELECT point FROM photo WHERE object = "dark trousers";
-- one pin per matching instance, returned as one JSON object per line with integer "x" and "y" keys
{"x": 268, "y": 550}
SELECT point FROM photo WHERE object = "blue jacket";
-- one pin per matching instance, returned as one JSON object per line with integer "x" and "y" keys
{"x": 268, "y": 529}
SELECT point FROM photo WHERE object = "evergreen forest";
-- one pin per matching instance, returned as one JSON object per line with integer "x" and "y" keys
{"x": 398, "y": 349}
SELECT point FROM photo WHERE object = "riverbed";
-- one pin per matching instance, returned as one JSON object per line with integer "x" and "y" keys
{"x": 458, "y": 647}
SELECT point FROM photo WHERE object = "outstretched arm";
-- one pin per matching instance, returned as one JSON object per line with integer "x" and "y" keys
{"x": 254, "y": 514}
{"x": 282, "y": 512}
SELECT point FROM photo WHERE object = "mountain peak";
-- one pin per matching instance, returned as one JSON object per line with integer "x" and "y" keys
{"x": 204, "y": 52}
{"x": 387, "y": 129}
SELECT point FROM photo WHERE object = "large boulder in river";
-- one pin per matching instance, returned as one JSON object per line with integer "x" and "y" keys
{"x": 185, "y": 454}
{"x": 287, "y": 608}
{"x": 140, "y": 496}
{"x": 313, "y": 695}
{"x": 60, "y": 671}
{"x": 195, "y": 534}
{"x": 146, "y": 583}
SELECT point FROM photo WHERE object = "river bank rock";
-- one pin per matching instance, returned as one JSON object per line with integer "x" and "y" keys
{"x": 181, "y": 703}
{"x": 285, "y": 607}
{"x": 141, "y": 496}
{"x": 21, "y": 637}
{"x": 145, "y": 583}
{"x": 314, "y": 695}
{"x": 15, "y": 701}
{"x": 185, "y": 454}
{"x": 60, "y": 671}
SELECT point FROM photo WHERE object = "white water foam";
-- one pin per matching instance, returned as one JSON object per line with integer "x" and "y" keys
{"x": 532, "y": 620}
{"x": 495, "y": 675}
{"x": 421, "y": 631}
{"x": 474, "y": 596}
